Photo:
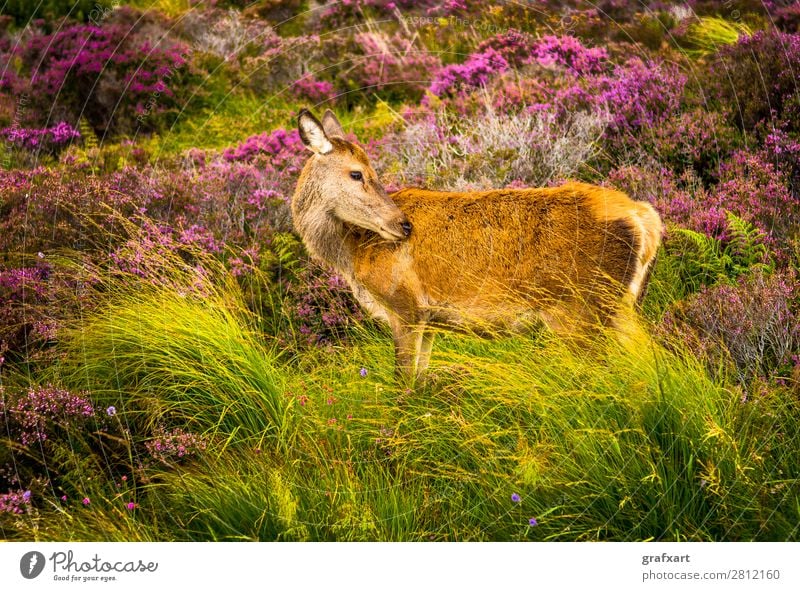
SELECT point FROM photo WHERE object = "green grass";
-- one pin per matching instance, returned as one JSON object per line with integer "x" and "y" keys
{"x": 227, "y": 121}
{"x": 710, "y": 33}
{"x": 634, "y": 443}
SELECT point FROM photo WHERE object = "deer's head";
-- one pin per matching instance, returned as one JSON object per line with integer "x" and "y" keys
{"x": 346, "y": 185}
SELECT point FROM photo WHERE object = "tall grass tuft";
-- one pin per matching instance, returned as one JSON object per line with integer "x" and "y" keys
{"x": 709, "y": 33}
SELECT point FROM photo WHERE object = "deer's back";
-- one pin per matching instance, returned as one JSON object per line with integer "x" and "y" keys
{"x": 487, "y": 248}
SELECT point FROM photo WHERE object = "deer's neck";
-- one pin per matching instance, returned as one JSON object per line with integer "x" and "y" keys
{"x": 325, "y": 236}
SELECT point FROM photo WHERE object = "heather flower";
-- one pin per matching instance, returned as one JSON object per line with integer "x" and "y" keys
{"x": 756, "y": 188}
{"x": 391, "y": 65}
{"x": 473, "y": 73}
{"x": 750, "y": 324}
{"x": 758, "y": 74}
{"x": 197, "y": 235}
{"x": 284, "y": 148}
{"x": 63, "y": 132}
{"x": 46, "y": 139}
{"x": 516, "y": 498}
{"x": 514, "y": 46}
{"x": 90, "y": 67}
{"x": 699, "y": 139}
{"x": 86, "y": 501}
{"x": 35, "y": 413}
{"x": 316, "y": 91}
{"x": 569, "y": 53}
{"x": 324, "y": 305}
{"x": 131, "y": 506}
{"x": 166, "y": 446}
{"x": 14, "y": 501}
{"x": 640, "y": 94}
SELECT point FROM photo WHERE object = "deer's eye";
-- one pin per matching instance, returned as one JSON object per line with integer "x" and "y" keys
{"x": 356, "y": 175}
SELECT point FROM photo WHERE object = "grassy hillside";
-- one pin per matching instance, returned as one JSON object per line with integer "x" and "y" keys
{"x": 174, "y": 366}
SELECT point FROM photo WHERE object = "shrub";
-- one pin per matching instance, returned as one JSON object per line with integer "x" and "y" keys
{"x": 15, "y": 501}
{"x": 751, "y": 322}
{"x": 150, "y": 246}
{"x": 758, "y": 75}
{"x": 513, "y": 46}
{"x": 45, "y": 209}
{"x": 284, "y": 148}
{"x": 511, "y": 92}
{"x": 34, "y": 415}
{"x": 318, "y": 304}
{"x": 493, "y": 150}
{"x": 25, "y": 11}
{"x": 696, "y": 139}
{"x": 344, "y": 13}
{"x": 321, "y": 306}
{"x": 168, "y": 446}
{"x": 316, "y": 91}
{"x": 473, "y": 73}
{"x": 115, "y": 77}
{"x": 787, "y": 18}
{"x": 649, "y": 181}
{"x": 757, "y": 189}
{"x": 502, "y": 52}
{"x": 388, "y": 65}
{"x": 20, "y": 289}
{"x": 568, "y": 53}
{"x": 238, "y": 203}
{"x": 639, "y": 95}
{"x": 283, "y": 61}
{"x": 226, "y": 34}
{"x": 36, "y": 143}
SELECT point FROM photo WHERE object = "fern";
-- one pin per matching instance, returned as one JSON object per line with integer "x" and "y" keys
{"x": 288, "y": 251}
{"x": 700, "y": 258}
{"x": 746, "y": 247}
{"x": 690, "y": 261}
{"x": 90, "y": 140}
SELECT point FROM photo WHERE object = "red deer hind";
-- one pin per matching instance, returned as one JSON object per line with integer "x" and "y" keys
{"x": 574, "y": 256}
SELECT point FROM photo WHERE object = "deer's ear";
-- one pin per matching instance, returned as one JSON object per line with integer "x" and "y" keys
{"x": 312, "y": 133}
{"x": 331, "y": 125}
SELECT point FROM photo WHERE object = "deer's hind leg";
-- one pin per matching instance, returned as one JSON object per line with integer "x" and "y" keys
{"x": 580, "y": 324}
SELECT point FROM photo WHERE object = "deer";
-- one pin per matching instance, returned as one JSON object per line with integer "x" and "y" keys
{"x": 574, "y": 257}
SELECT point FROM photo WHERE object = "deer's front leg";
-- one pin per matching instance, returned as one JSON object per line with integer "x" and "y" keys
{"x": 407, "y": 344}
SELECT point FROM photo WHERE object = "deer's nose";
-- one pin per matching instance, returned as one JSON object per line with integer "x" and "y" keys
{"x": 406, "y": 228}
